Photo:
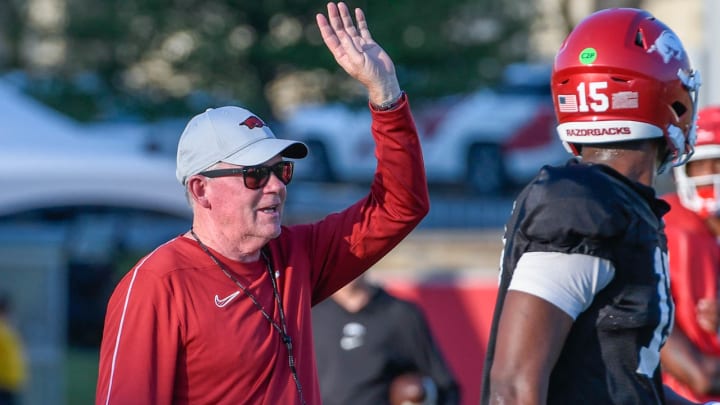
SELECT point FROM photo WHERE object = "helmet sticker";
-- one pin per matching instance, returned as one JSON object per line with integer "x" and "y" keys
{"x": 668, "y": 45}
{"x": 567, "y": 103}
{"x": 586, "y": 99}
{"x": 587, "y": 56}
{"x": 623, "y": 100}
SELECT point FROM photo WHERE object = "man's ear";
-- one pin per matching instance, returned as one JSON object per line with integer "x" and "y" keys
{"x": 197, "y": 190}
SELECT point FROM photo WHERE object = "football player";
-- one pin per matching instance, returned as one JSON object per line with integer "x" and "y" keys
{"x": 691, "y": 357}
{"x": 584, "y": 299}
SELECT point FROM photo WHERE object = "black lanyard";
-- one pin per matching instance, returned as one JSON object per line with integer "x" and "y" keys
{"x": 282, "y": 327}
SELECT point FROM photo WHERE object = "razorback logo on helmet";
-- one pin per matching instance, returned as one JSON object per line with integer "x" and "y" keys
{"x": 253, "y": 122}
{"x": 598, "y": 131}
{"x": 668, "y": 45}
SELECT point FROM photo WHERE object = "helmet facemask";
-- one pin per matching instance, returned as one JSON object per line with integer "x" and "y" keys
{"x": 681, "y": 144}
{"x": 701, "y": 193}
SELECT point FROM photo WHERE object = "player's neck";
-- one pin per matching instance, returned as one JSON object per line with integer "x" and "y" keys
{"x": 637, "y": 163}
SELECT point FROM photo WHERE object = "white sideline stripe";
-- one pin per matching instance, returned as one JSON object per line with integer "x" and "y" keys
{"x": 122, "y": 320}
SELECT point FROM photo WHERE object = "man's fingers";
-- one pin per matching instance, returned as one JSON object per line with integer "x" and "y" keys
{"x": 362, "y": 25}
{"x": 707, "y": 314}
{"x": 707, "y": 306}
{"x": 326, "y": 31}
{"x": 348, "y": 23}
{"x": 334, "y": 15}
{"x": 707, "y": 326}
{"x": 344, "y": 29}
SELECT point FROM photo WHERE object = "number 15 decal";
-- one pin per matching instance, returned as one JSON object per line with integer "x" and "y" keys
{"x": 598, "y": 101}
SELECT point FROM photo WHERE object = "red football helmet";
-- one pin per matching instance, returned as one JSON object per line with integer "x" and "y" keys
{"x": 623, "y": 75}
{"x": 702, "y": 193}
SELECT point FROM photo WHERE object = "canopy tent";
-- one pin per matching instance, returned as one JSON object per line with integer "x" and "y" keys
{"x": 49, "y": 159}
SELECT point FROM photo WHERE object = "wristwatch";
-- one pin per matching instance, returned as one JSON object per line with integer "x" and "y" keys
{"x": 389, "y": 105}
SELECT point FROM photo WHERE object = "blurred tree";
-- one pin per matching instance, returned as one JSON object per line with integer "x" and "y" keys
{"x": 564, "y": 7}
{"x": 97, "y": 59}
{"x": 10, "y": 23}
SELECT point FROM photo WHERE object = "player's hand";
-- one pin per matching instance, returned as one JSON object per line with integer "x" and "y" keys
{"x": 357, "y": 53}
{"x": 708, "y": 314}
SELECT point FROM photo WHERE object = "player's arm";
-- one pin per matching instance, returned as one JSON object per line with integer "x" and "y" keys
{"x": 352, "y": 240}
{"x": 530, "y": 337}
{"x": 699, "y": 371}
{"x": 537, "y": 315}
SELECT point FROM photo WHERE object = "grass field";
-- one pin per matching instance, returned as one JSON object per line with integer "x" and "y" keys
{"x": 80, "y": 376}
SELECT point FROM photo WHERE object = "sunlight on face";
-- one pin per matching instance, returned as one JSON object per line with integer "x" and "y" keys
{"x": 244, "y": 213}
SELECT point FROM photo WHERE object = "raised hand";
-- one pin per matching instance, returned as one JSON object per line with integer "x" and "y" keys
{"x": 357, "y": 53}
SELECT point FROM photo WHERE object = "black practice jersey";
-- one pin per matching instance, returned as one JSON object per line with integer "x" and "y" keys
{"x": 358, "y": 354}
{"x": 611, "y": 355}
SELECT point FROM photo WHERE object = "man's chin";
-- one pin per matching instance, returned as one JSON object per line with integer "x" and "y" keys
{"x": 273, "y": 231}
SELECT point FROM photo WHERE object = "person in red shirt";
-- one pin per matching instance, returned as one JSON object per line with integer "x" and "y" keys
{"x": 221, "y": 314}
{"x": 691, "y": 357}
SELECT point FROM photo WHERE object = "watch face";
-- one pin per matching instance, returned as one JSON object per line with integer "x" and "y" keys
{"x": 390, "y": 104}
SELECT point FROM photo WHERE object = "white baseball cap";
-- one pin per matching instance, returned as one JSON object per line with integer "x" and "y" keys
{"x": 232, "y": 135}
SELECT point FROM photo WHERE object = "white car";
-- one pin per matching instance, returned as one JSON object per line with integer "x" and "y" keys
{"x": 486, "y": 141}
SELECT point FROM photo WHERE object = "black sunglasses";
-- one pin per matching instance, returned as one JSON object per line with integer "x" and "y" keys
{"x": 256, "y": 177}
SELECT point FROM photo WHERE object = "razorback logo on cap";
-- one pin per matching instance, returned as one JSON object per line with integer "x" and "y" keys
{"x": 253, "y": 122}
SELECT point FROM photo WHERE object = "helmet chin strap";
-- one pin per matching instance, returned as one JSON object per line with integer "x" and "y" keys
{"x": 664, "y": 163}
{"x": 667, "y": 159}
